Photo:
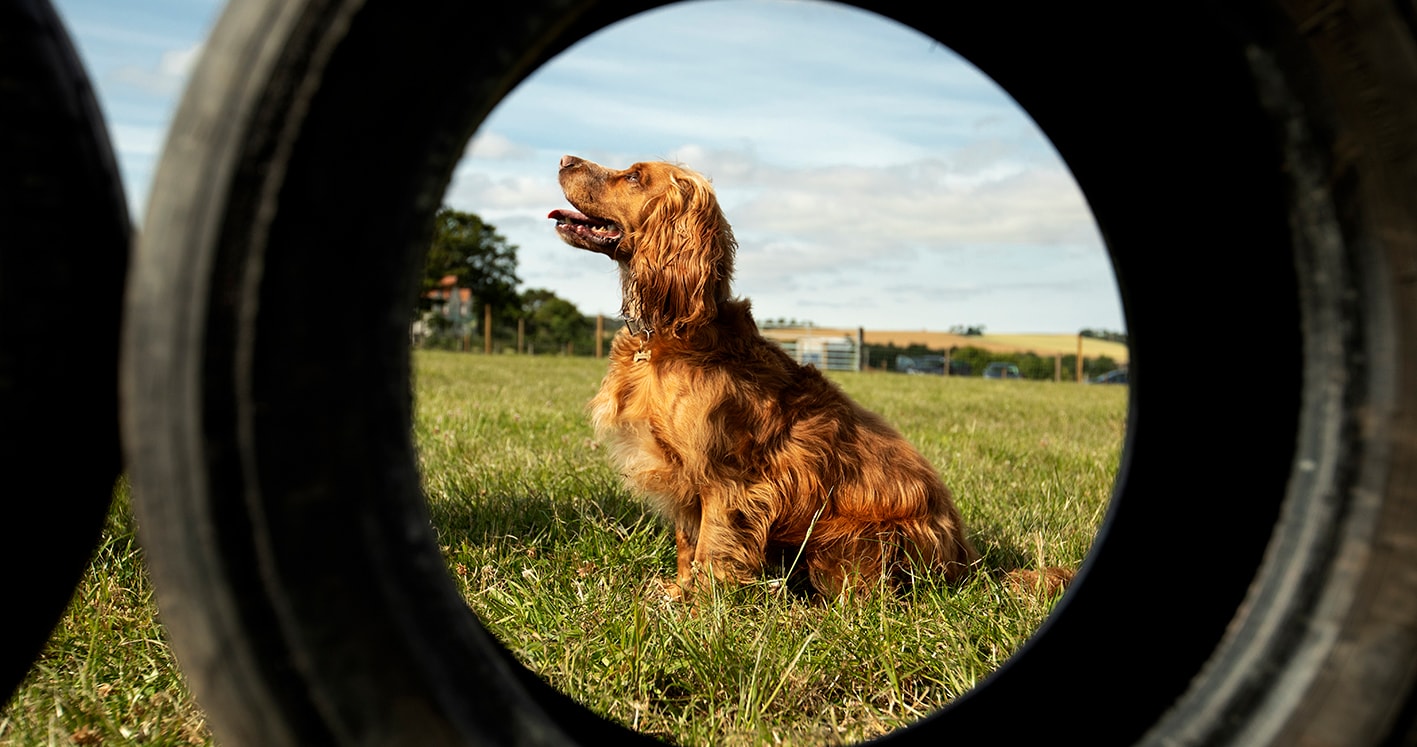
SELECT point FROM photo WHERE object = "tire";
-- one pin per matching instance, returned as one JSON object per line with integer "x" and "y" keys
{"x": 63, "y": 254}
{"x": 1251, "y": 166}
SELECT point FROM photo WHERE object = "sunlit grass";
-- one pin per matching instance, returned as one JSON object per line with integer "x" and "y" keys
{"x": 561, "y": 561}
{"x": 558, "y": 560}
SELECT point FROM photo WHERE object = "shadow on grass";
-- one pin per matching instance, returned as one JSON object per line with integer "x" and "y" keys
{"x": 598, "y": 530}
{"x": 492, "y": 515}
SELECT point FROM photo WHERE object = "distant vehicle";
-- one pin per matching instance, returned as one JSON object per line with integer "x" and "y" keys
{"x": 1116, "y": 376}
{"x": 1000, "y": 370}
{"x": 930, "y": 365}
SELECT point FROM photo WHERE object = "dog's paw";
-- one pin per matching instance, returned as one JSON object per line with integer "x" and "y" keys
{"x": 665, "y": 591}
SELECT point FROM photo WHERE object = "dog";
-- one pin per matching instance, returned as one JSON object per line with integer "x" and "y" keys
{"x": 754, "y": 458}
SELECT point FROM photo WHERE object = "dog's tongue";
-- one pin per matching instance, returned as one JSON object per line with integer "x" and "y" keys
{"x": 571, "y": 216}
{"x": 562, "y": 216}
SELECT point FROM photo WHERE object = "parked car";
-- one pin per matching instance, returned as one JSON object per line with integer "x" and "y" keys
{"x": 931, "y": 365}
{"x": 1000, "y": 370}
{"x": 920, "y": 364}
{"x": 1115, "y": 376}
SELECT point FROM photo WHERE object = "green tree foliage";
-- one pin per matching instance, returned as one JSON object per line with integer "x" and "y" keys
{"x": 784, "y": 323}
{"x": 482, "y": 261}
{"x": 1105, "y": 334}
{"x": 1030, "y": 365}
{"x": 480, "y": 258}
{"x": 552, "y": 322}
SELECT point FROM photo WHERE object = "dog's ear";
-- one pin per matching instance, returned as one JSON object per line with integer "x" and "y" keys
{"x": 683, "y": 256}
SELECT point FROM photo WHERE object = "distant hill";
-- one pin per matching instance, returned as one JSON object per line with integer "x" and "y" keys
{"x": 1046, "y": 345}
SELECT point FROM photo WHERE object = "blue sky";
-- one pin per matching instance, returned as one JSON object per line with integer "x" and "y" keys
{"x": 873, "y": 178}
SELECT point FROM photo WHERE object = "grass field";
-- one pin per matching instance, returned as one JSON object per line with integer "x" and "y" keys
{"x": 556, "y": 558}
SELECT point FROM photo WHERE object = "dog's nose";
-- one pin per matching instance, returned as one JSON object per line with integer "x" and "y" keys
{"x": 569, "y": 161}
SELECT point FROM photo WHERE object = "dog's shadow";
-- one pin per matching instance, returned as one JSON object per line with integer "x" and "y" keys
{"x": 600, "y": 522}
{"x": 537, "y": 518}
{"x": 999, "y": 553}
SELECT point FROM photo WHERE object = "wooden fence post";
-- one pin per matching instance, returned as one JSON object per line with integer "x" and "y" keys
{"x": 487, "y": 328}
{"x": 1079, "y": 366}
{"x": 599, "y": 332}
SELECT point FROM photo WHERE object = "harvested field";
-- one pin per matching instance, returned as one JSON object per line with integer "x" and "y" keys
{"x": 1040, "y": 344}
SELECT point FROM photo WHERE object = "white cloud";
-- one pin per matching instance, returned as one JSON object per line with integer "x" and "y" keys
{"x": 494, "y": 146}
{"x": 926, "y": 203}
{"x": 178, "y": 63}
{"x": 166, "y": 77}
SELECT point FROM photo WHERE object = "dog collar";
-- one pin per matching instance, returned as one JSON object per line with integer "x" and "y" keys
{"x": 643, "y": 331}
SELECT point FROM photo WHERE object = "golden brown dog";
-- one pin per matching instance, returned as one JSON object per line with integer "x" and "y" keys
{"x": 755, "y": 459}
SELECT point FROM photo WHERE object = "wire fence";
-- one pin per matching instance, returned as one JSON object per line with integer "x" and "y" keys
{"x": 829, "y": 352}
{"x": 826, "y": 349}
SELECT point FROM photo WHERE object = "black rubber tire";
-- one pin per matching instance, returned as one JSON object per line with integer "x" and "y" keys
{"x": 1253, "y": 173}
{"x": 64, "y": 235}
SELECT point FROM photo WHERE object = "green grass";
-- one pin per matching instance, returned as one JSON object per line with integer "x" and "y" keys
{"x": 107, "y": 676}
{"x": 560, "y": 562}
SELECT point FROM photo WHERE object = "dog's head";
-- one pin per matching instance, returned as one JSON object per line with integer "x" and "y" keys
{"x": 663, "y": 224}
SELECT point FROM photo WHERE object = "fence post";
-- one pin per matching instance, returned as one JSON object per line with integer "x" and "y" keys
{"x": 521, "y": 334}
{"x": 487, "y": 328}
{"x": 1079, "y": 366}
{"x": 599, "y": 332}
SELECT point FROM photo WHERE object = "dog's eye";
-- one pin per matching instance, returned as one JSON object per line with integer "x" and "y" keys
{"x": 633, "y": 177}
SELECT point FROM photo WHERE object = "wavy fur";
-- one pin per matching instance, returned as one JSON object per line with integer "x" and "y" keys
{"x": 758, "y": 461}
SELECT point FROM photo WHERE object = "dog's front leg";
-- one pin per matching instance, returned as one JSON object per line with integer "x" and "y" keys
{"x": 686, "y": 545}
{"x": 686, "y": 542}
{"x": 731, "y": 543}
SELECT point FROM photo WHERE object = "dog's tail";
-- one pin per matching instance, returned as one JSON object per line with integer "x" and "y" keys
{"x": 1041, "y": 579}
{"x": 1048, "y": 582}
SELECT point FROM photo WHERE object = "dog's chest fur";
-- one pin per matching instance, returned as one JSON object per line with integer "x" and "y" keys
{"x": 634, "y": 413}
{"x": 717, "y": 411}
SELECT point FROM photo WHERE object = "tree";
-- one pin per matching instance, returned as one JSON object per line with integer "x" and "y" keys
{"x": 1104, "y": 334}
{"x": 552, "y": 321}
{"x": 474, "y": 253}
